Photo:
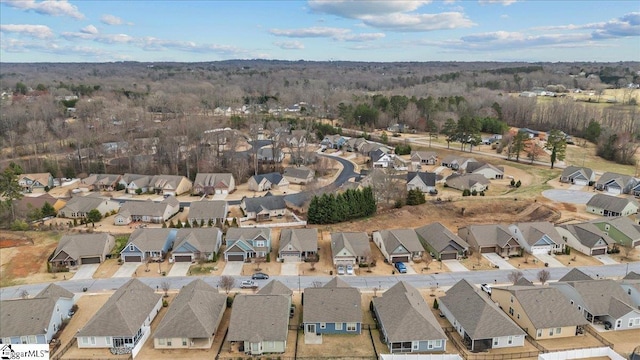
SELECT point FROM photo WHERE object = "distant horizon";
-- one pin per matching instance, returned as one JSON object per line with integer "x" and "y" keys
{"x": 371, "y": 31}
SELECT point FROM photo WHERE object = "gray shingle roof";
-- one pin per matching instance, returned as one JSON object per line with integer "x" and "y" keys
{"x": 331, "y": 304}
{"x": 124, "y": 313}
{"x": 151, "y": 239}
{"x": 534, "y": 231}
{"x": 259, "y": 318}
{"x": 77, "y": 246}
{"x": 587, "y": 234}
{"x": 55, "y": 291}
{"x": 258, "y": 204}
{"x": 475, "y": 166}
{"x": 597, "y": 294}
{"x": 424, "y": 154}
{"x": 621, "y": 179}
{"x": 274, "y": 177}
{"x": 275, "y": 287}
{"x": 440, "y": 238}
{"x": 234, "y": 234}
{"x": 300, "y": 239}
{"x": 357, "y": 243}
{"x": 570, "y": 170}
{"x": 201, "y": 239}
{"x": 24, "y": 317}
{"x": 479, "y": 317}
{"x": 622, "y": 224}
{"x": 632, "y": 276}
{"x": 301, "y": 172}
{"x": 491, "y": 234}
{"x": 406, "y": 238}
{"x": 213, "y": 179}
{"x": 575, "y": 275}
{"x": 611, "y": 203}
{"x": 466, "y": 181}
{"x": 145, "y": 208}
{"x": 83, "y": 204}
{"x": 215, "y": 209}
{"x": 140, "y": 180}
{"x": 162, "y": 181}
{"x": 194, "y": 313}
{"x": 405, "y": 316}
{"x": 428, "y": 178}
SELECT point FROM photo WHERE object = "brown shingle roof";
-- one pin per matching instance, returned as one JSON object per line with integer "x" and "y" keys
{"x": 77, "y": 246}
{"x": 259, "y": 318}
{"x": 440, "y": 238}
{"x": 300, "y": 239}
{"x": 275, "y": 287}
{"x": 331, "y": 304}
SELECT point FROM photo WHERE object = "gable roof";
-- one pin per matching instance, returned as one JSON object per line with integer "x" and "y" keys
{"x": 147, "y": 207}
{"x": 476, "y": 166}
{"x": 332, "y": 304}
{"x": 258, "y": 318}
{"x": 247, "y": 233}
{"x": 202, "y": 240}
{"x": 619, "y": 179}
{"x": 140, "y": 180}
{"x": 301, "y": 172}
{"x": 214, "y": 209}
{"x": 439, "y": 237}
{"x": 167, "y": 181}
{"x": 423, "y": 154}
{"x": 428, "y": 178}
{"x": 84, "y": 204}
{"x": 55, "y": 291}
{"x": 575, "y": 275}
{"x": 597, "y": 294}
{"x": 587, "y": 173}
{"x": 523, "y": 282}
{"x": 42, "y": 178}
{"x": 213, "y": 179}
{"x": 466, "y": 181}
{"x": 267, "y": 202}
{"x": 477, "y": 314}
{"x": 274, "y": 177}
{"x": 611, "y": 203}
{"x": 300, "y": 239}
{"x": 125, "y": 311}
{"x": 623, "y": 224}
{"x": 77, "y": 246}
{"x": 24, "y": 317}
{"x": 632, "y": 276}
{"x": 534, "y": 231}
{"x": 407, "y": 238}
{"x": 491, "y": 234}
{"x": 275, "y": 287}
{"x": 151, "y": 239}
{"x": 194, "y": 313}
{"x": 405, "y": 316}
{"x": 26, "y": 203}
{"x": 587, "y": 234}
{"x": 357, "y": 243}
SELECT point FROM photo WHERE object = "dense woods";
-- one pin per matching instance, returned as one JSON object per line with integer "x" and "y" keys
{"x": 345, "y": 206}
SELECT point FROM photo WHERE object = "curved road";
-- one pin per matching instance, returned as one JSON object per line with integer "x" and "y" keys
{"x": 361, "y": 282}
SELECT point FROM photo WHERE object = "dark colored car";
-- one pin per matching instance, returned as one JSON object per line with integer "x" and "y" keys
{"x": 259, "y": 276}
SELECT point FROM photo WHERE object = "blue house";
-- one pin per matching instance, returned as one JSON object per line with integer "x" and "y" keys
{"x": 334, "y": 308}
{"x": 153, "y": 244}
{"x": 246, "y": 243}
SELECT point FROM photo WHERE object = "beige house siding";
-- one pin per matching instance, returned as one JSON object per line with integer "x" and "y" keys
{"x": 179, "y": 343}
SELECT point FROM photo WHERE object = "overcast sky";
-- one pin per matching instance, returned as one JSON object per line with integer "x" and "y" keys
{"x": 357, "y": 30}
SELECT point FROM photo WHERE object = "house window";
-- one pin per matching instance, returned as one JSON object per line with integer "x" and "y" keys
{"x": 259, "y": 243}
{"x": 351, "y": 326}
{"x": 338, "y": 326}
{"x": 510, "y": 311}
{"x": 84, "y": 340}
{"x": 32, "y": 339}
{"x": 495, "y": 342}
{"x": 161, "y": 341}
{"x": 558, "y": 330}
{"x": 184, "y": 342}
{"x": 430, "y": 344}
{"x": 23, "y": 339}
{"x": 168, "y": 342}
{"x": 618, "y": 323}
{"x": 93, "y": 340}
{"x": 511, "y": 299}
{"x": 108, "y": 340}
{"x": 539, "y": 334}
{"x": 551, "y": 332}
{"x": 415, "y": 345}
{"x": 438, "y": 343}
{"x": 323, "y": 325}
{"x": 510, "y": 340}
{"x": 518, "y": 316}
{"x": 131, "y": 248}
{"x": 270, "y": 344}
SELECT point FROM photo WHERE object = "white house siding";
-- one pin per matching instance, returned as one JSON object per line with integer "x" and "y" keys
{"x": 177, "y": 343}
{"x": 488, "y": 173}
{"x": 60, "y": 312}
{"x": 121, "y": 220}
{"x": 267, "y": 347}
{"x": 344, "y": 258}
{"x": 628, "y": 322}
{"x": 503, "y": 341}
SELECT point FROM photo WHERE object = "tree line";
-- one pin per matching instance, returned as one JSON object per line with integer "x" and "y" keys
{"x": 334, "y": 208}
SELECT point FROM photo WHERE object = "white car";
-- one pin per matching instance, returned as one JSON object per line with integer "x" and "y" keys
{"x": 486, "y": 288}
{"x": 247, "y": 284}
{"x": 349, "y": 269}
{"x": 340, "y": 269}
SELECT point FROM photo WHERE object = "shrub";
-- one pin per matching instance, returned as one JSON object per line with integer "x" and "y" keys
{"x": 229, "y": 301}
{"x": 518, "y": 184}
{"x": 466, "y": 192}
{"x": 164, "y": 303}
{"x": 268, "y": 257}
{"x": 513, "y": 182}
{"x": 474, "y": 193}
{"x": 435, "y": 304}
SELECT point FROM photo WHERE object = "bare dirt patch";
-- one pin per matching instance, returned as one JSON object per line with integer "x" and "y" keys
{"x": 33, "y": 250}
{"x": 623, "y": 341}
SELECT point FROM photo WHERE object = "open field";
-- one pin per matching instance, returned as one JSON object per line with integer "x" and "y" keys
{"x": 24, "y": 255}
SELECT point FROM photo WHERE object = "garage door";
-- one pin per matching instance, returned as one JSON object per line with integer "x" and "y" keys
{"x": 599, "y": 251}
{"x": 396, "y": 259}
{"x": 91, "y": 260}
{"x": 218, "y": 191}
{"x": 290, "y": 257}
{"x": 487, "y": 249}
{"x": 131, "y": 258}
{"x": 615, "y": 191}
{"x": 581, "y": 182}
{"x": 449, "y": 256}
{"x": 540, "y": 251}
{"x": 182, "y": 258}
{"x": 235, "y": 257}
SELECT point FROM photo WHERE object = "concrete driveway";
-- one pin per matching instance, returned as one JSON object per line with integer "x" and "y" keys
{"x": 545, "y": 258}
{"x": 498, "y": 261}
{"x": 233, "y": 268}
{"x": 289, "y": 269}
{"x": 605, "y": 259}
{"x": 454, "y": 265}
{"x": 85, "y": 272}
{"x": 126, "y": 269}
{"x": 179, "y": 269}
{"x": 568, "y": 196}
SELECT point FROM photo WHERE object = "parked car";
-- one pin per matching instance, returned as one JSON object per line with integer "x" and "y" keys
{"x": 349, "y": 269}
{"x": 292, "y": 311}
{"x": 486, "y": 288}
{"x": 259, "y": 276}
{"x": 401, "y": 267}
{"x": 340, "y": 269}
{"x": 248, "y": 284}
{"x": 607, "y": 325}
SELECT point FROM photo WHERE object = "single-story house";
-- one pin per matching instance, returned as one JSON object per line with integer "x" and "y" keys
{"x": 575, "y": 275}
{"x": 100, "y": 182}
{"x": 335, "y": 308}
{"x": 135, "y": 182}
{"x": 424, "y": 157}
{"x": 608, "y": 205}
{"x": 170, "y": 185}
{"x": 270, "y": 181}
{"x": 148, "y": 244}
{"x": 298, "y": 174}
{"x": 441, "y": 242}
{"x": 204, "y": 212}
{"x": 349, "y": 248}
{"x": 406, "y": 322}
{"x": 192, "y": 320}
{"x": 35, "y": 320}
{"x": 398, "y": 245}
{"x": 25, "y": 206}
{"x": 480, "y": 323}
{"x": 578, "y": 175}
{"x": 381, "y": 159}
{"x": 275, "y": 287}
{"x": 246, "y": 243}
{"x": 489, "y": 238}
{"x": 543, "y": 312}
{"x": 213, "y": 183}
{"x": 263, "y": 208}
{"x": 621, "y": 229}
{"x": 471, "y": 182}
{"x": 333, "y": 141}
{"x": 260, "y": 323}
{"x": 425, "y": 181}
{"x": 585, "y": 237}
{"x": 616, "y": 184}
{"x": 298, "y": 244}
{"x": 196, "y": 244}
{"x": 37, "y": 182}
{"x": 540, "y": 237}
{"x": 485, "y": 169}
{"x": 147, "y": 211}
{"x": 269, "y": 154}
{"x": 73, "y": 250}
{"x": 354, "y": 144}
{"x": 79, "y": 206}
{"x": 456, "y": 162}
{"x": 124, "y": 321}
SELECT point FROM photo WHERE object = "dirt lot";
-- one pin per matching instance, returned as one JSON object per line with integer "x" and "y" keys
{"x": 33, "y": 249}
{"x": 623, "y": 341}
{"x": 572, "y": 342}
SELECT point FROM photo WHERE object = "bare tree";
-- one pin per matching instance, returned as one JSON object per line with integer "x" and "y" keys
{"x": 543, "y": 276}
{"x": 526, "y": 255}
{"x": 316, "y": 284}
{"x": 368, "y": 258}
{"x": 626, "y": 251}
{"x": 24, "y": 294}
{"x": 165, "y": 285}
{"x": 514, "y": 276}
{"x": 226, "y": 283}
{"x": 427, "y": 259}
{"x": 259, "y": 261}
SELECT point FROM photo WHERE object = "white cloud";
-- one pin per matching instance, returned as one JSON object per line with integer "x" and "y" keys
{"x": 35, "y": 31}
{"x": 355, "y": 9}
{"x": 338, "y": 34}
{"x": 503, "y": 2}
{"x": 419, "y": 22}
{"x": 101, "y": 38}
{"x": 504, "y": 16}
{"x": 625, "y": 26}
{"x": 89, "y": 29}
{"x": 112, "y": 20}
{"x": 289, "y": 45}
{"x": 47, "y": 7}
{"x": 504, "y": 40}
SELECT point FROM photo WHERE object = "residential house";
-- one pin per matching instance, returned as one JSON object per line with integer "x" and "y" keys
{"x": 297, "y": 138}
{"x": 270, "y": 181}
{"x": 263, "y": 208}
{"x": 608, "y": 205}
{"x": 540, "y": 237}
{"x": 381, "y": 159}
{"x": 398, "y": 245}
{"x": 630, "y": 283}
{"x": 480, "y": 323}
{"x": 349, "y": 248}
{"x": 335, "y": 308}
{"x": 170, "y": 185}
{"x": 247, "y": 243}
{"x": 488, "y": 238}
{"x": 275, "y": 287}
{"x": 298, "y": 174}
{"x": 101, "y": 182}
{"x": 193, "y": 318}
{"x": 406, "y": 322}
{"x": 298, "y": 244}
{"x": 621, "y": 229}
{"x": 368, "y": 147}
{"x": 210, "y": 183}
{"x": 26, "y": 205}
{"x": 38, "y": 182}
{"x": 196, "y": 244}
{"x": 205, "y": 212}
{"x": 147, "y": 211}
{"x": 456, "y": 162}
{"x": 73, "y": 250}
{"x": 585, "y": 237}
{"x": 399, "y": 128}
{"x": 271, "y": 155}
{"x": 425, "y": 181}
{"x": 543, "y": 312}
{"x": 575, "y": 275}
{"x": 578, "y": 175}
{"x": 602, "y": 300}
{"x": 135, "y": 183}
{"x": 424, "y": 157}
{"x": 124, "y": 321}
{"x": 471, "y": 182}
{"x": 79, "y": 206}
{"x": 354, "y": 144}
{"x": 35, "y": 320}
{"x": 260, "y": 323}
{"x": 441, "y": 242}
{"x": 616, "y": 184}
{"x": 148, "y": 244}
{"x": 333, "y": 141}
{"x": 485, "y": 169}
